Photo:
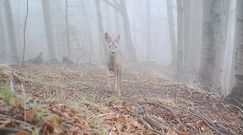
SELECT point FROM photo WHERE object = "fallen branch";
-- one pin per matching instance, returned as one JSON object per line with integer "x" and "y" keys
{"x": 8, "y": 131}
{"x": 209, "y": 124}
{"x": 147, "y": 126}
{"x": 166, "y": 108}
{"x": 153, "y": 123}
{"x": 5, "y": 117}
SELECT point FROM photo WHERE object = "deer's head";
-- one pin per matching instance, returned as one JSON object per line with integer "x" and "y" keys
{"x": 112, "y": 44}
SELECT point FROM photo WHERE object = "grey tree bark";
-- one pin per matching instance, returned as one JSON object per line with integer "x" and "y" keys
{"x": 212, "y": 44}
{"x": 148, "y": 29}
{"x": 88, "y": 31}
{"x": 117, "y": 22}
{"x": 48, "y": 29}
{"x": 237, "y": 90}
{"x": 172, "y": 35}
{"x": 196, "y": 37}
{"x": 25, "y": 31}
{"x": 100, "y": 30}
{"x": 180, "y": 41}
{"x": 187, "y": 38}
{"x": 229, "y": 59}
{"x": 3, "y": 45}
{"x": 67, "y": 29}
{"x": 127, "y": 29}
{"x": 10, "y": 29}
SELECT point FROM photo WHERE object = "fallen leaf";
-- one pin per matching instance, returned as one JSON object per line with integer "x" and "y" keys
{"x": 15, "y": 103}
{"x": 22, "y": 133}
{"x": 136, "y": 125}
{"x": 47, "y": 129}
{"x": 30, "y": 115}
{"x": 57, "y": 125}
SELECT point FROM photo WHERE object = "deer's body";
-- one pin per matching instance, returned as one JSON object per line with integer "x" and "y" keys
{"x": 114, "y": 63}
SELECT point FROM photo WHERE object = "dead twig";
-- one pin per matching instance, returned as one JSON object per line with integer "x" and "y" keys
{"x": 8, "y": 131}
{"x": 210, "y": 124}
{"x": 147, "y": 126}
{"x": 166, "y": 108}
{"x": 5, "y": 117}
{"x": 153, "y": 123}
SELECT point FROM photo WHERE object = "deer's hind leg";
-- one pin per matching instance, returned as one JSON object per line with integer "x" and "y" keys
{"x": 108, "y": 74}
{"x": 118, "y": 81}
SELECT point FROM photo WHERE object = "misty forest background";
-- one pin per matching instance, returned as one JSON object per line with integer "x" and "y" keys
{"x": 195, "y": 41}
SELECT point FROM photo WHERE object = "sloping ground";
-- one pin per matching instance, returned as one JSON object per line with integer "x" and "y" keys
{"x": 60, "y": 99}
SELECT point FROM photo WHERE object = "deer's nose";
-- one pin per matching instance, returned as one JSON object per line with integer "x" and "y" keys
{"x": 112, "y": 52}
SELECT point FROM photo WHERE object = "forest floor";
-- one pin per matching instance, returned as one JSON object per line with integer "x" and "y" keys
{"x": 68, "y": 100}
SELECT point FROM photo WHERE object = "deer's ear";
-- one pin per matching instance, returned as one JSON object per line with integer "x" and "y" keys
{"x": 107, "y": 38}
{"x": 117, "y": 39}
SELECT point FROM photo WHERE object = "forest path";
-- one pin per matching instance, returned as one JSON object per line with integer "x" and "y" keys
{"x": 150, "y": 104}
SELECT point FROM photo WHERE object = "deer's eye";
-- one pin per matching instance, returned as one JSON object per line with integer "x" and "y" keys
{"x": 115, "y": 46}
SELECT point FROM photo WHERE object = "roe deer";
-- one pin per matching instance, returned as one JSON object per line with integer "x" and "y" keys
{"x": 114, "y": 62}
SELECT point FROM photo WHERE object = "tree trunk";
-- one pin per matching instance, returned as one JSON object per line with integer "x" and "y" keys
{"x": 237, "y": 90}
{"x": 100, "y": 30}
{"x": 67, "y": 29}
{"x": 117, "y": 21}
{"x": 48, "y": 29}
{"x": 172, "y": 34}
{"x": 229, "y": 62}
{"x": 3, "y": 45}
{"x": 128, "y": 36}
{"x": 212, "y": 44}
{"x": 88, "y": 31}
{"x": 180, "y": 41}
{"x": 148, "y": 29}
{"x": 196, "y": 36}
{"x": 187, "y": 38}
{"x": 10, "y": 29}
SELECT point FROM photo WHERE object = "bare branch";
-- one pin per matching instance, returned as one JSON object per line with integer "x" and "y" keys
{"x": 116, "y": 6}
{"x": 25, "y": 25}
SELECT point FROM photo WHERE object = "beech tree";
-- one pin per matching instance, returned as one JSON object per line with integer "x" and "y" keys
{"x": 212, "y": 45}
{"x": 48, "y": 29}
{"x": 10, "y": 29}
{"x": 237, "y": 90}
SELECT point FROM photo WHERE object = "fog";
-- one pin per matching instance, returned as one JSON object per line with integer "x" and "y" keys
{"x": 119, "y": 67}
{"x": 83, "y": 31}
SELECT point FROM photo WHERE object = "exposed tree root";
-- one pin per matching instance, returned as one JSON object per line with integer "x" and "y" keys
{"x": 211, "y": 125}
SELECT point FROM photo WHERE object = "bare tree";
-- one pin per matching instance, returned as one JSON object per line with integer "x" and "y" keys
{"x": 212, "y": 43}
{"x": 148, "y": 29}
{"x": 237, "y": 90}
{"x": 196, "y": 37}
{"x": 88, "y": 31}
{"x": 10, "y": 29}
{"x": 100, "y": 29}
{"x": 25, "y": 25}
{"x": 180, "y": 41}
{"x": 117, "y": 22}
{"x": 48, "y": 28}
{"x": 67, "y": 29}
{"x": 3, "y": 46}
{"x": 187, "y": 37}
{"x": 127, "y": 29}
{"x": 122, "y": 9}
{"x": 172, "y": 34}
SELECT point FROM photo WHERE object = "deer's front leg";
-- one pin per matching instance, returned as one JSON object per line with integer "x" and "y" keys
{"x": 118, "y": 82}
{"x": 108, "y": 80}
